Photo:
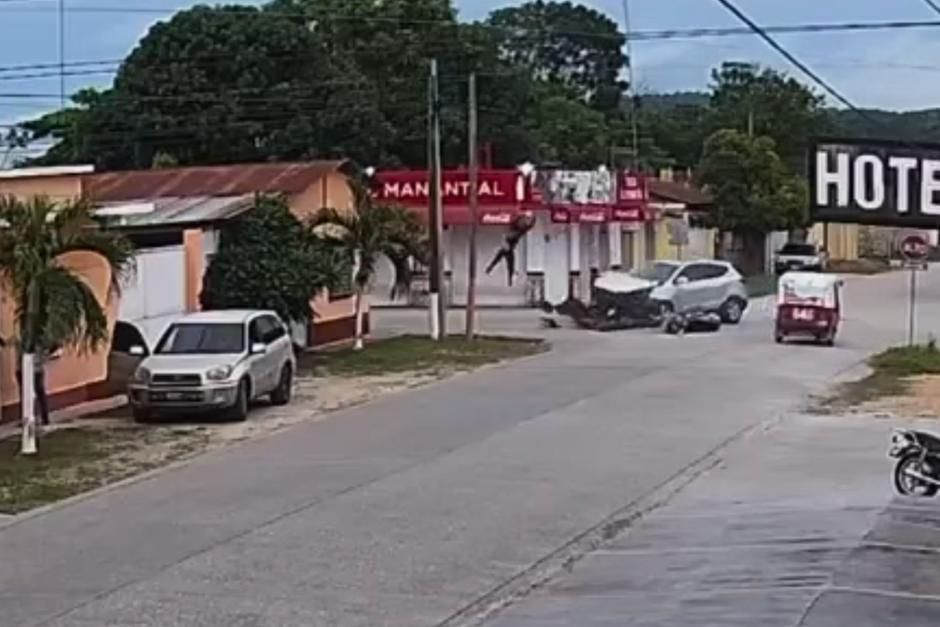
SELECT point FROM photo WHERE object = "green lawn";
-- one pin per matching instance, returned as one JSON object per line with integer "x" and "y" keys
{"x": 75, "y": 460}
{"x": 890, "y": 372}
{"x": 410, "y": 353}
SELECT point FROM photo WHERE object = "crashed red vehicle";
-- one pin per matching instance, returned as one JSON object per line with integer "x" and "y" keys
{"x": 809, "y": 304}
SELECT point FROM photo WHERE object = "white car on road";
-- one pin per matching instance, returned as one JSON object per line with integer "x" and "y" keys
{"x": 215, "y": 361}
{"x": 708, "y": 285}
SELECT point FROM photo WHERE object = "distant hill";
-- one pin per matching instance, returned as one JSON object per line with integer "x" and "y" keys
{"x": 664, "y": 102}
{"x": 922, "y": 125}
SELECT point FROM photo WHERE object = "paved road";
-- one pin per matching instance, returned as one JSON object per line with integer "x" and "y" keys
{"x": 763, "y": 540}
{"x": 404, "y": 511}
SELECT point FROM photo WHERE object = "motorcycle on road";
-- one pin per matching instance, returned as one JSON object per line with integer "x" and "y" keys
{"x": 917, "y": 471}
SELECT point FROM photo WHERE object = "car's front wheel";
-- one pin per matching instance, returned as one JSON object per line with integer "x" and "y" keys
{"x": 239, "y": 411}
{"x": 142, "y": 415}
{"x": 282, "y": 393}
{"x": 732, "y": 311}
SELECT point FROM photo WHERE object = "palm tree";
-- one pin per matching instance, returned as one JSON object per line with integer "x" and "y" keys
{"x": 368, "y": 232}
{"x": 54, "y": 306}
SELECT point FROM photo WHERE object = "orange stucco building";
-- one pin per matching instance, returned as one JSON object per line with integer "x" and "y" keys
{"x": 173, "y": 217}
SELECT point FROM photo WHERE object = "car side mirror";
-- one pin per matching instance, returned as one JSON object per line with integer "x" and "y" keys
{"x": 682, "y": 280}
{"x": 138, "y": 350}
{"x": 259, "y": 348}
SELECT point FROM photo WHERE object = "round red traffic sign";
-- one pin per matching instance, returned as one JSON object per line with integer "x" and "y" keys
{"x": 914, "y": 247}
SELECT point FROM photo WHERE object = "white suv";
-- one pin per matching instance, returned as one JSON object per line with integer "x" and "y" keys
{"x": 215, "y": 361}
{"x": 707, "y": 285}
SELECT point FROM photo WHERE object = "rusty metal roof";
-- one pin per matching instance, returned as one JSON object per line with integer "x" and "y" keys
{"x": 694, "y": 197}
{"x": 176, "y": 212}
{"x": 208, "y": 181}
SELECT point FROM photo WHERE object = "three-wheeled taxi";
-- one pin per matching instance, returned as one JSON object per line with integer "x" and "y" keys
{"x": 809, "y": 304}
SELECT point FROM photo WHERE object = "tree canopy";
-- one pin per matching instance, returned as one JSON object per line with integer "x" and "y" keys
{"x": 565, "y": 43}
{"x": 299, "y": 79}
{"x": 753, "y": 190}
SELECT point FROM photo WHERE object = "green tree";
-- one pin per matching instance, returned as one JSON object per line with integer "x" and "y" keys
{"x": 223, "y": 84}
{"x": 571, "y": 133}
{"x": 368, "y": 233}
{"x": 753, "y": 191}
{"x": 67, "y": 127}
{"x": 680, "y": 131}
{"x": 391, "y": 43}
{"x": 54, "y": 306}
{"x": 769, "y": 103}
{"x": 266, "y": 260}
{"x": 565, "y": 43}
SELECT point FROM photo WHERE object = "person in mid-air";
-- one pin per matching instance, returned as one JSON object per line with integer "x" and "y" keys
{"x": 521, "y": 225}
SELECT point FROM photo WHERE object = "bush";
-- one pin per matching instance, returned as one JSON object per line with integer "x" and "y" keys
{"x": 267, "y": 260}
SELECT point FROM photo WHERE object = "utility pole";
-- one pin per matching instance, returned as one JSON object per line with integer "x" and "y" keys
{"x": 62, "y": 53}
{"x": 631, "y": 86}
{"x": 474, "y": 176}
{"x": 436, "y": 304}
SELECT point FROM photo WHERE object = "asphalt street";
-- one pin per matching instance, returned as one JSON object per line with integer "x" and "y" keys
{"x": 426, "y": 506}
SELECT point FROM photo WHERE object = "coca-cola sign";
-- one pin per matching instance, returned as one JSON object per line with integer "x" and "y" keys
{"x": 411, "y": 187}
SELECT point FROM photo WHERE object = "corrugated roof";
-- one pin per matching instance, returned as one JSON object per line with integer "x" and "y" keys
{"x": 214, "y": 181}
{"x": 180, "y": 211}
{"x": 680, "y": 192}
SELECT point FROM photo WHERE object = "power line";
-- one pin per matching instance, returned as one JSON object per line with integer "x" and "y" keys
{"x": 760, "y": 32}
{"x": 648, "y": 35}
{"x": 933, "y": 5}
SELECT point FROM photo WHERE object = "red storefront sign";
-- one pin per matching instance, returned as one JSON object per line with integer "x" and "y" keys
{"x": 584, "y": 214}
{"x": 627, "y": 214}
{"x": 411, "y": 187}
{"x": 632, "y": 189}
{"x": 503, "y": 218}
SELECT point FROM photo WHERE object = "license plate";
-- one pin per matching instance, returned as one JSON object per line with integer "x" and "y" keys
{"x": 175, "y": 396}
{"x": 803, "y": 314}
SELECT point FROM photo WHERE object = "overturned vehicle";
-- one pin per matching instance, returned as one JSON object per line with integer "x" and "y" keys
{"x": 695, "y": 296}
{"x": 619, "y": 301}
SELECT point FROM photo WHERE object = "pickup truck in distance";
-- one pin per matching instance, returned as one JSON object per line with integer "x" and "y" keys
{"x": 797, "y": 256}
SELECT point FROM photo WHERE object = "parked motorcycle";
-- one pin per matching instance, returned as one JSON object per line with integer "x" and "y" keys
{"x": 917, "y": 471}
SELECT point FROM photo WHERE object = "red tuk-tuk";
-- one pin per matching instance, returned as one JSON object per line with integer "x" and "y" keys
{"x": 809, "y": 304}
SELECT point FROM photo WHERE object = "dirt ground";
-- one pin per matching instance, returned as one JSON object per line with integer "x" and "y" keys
{"x": 921, "y": 400}
{"x": 314, "y": 398}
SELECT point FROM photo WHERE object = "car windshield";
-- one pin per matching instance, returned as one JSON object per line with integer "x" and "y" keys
{"x": 658, "y": 272}
{"x": 798, "y": 249}
{"x": 202, "y": 338}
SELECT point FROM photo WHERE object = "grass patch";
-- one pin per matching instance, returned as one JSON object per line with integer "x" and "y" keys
{"x": 760, "y": 285}
{"x": 78, "y": 459}
{"x": 411, "y": 353}
{"x": 891, "y": 371}
{"x": 865, "y": 266}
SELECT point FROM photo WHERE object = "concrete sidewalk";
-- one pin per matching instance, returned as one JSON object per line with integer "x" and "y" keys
{"x": 797, "y": 526}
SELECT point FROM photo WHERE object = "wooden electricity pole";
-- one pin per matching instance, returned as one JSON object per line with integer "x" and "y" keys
{"x": 473, "y": 197}
{"x": 436, "y": 304}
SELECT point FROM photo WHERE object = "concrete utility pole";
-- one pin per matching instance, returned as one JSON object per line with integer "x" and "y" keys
{"x": 474, "y": 176}
{"x": 436, "y": 304}
{"x": 631, "y": 87}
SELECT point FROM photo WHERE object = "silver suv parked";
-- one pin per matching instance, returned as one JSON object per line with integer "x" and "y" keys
{"x": 215, "y": 361}
{"x": 708, "y": 285}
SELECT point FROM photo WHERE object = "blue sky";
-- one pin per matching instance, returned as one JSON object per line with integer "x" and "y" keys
{"x": 888, "y": 69}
